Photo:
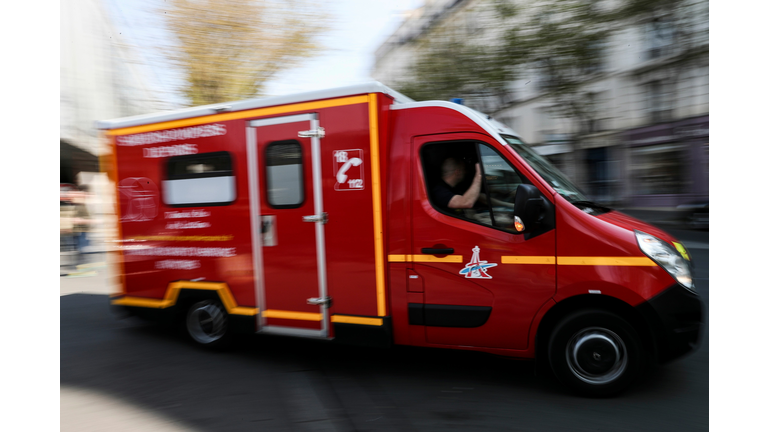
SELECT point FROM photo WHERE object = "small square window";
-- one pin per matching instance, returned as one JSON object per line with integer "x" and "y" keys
{"x": 285, "y": 174}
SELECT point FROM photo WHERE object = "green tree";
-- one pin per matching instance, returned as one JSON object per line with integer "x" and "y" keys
{"x": 566, "y": 41}
{"x": 454, "y": 68}
{"x": 559, "y": 44}
{"x": 228, "y": 49}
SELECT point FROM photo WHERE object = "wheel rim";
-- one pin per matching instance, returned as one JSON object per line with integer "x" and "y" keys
{"x": 206, "y": 322}
{"x": 596, "y": 355}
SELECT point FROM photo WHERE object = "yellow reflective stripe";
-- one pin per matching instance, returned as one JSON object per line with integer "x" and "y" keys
{"x": 258, "y": 112}
{"x": 378, "y": 233}
{"x": 426, "y": 258}
{"x": 432, "y": 258}
{"x": 172, "y": 295}
{"x": 528, "y": 260}
{"x": 303, "y": 316}
{"x": 185, "y": 238}
{"x": 142, "y": 302}
{"x": 594, "y": 261}
{"x": 241, "y": 310}
{"x": 606, "y": 261}
{"x": 356, "y": 320}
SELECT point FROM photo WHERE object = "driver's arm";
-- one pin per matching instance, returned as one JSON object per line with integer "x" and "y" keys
{"x": 470, "y": 196}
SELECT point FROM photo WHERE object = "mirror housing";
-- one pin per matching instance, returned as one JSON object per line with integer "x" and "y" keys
{"x": 531, "y": 207}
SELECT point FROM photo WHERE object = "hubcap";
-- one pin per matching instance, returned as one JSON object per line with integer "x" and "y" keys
{"x": 596, "y": 355}
{"x": 206, "y": 322}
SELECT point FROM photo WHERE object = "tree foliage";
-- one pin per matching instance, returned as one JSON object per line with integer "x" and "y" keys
{"x": 559, "y": 44}
{"x": 451, "y": 68}
{"x": 228, "y": 49}
{"x": 565, "y": 42}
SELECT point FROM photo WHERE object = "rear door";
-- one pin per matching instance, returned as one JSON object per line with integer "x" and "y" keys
{"x": 287, "y": 220}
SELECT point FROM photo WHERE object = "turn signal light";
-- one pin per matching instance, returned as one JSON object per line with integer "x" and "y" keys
{"x": 519, "y": 224}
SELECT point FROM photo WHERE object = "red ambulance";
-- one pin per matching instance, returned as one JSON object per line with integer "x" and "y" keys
{"x": 324, "y": 215}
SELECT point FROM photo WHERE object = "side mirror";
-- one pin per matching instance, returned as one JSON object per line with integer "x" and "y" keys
{"x": 530, "y": 208}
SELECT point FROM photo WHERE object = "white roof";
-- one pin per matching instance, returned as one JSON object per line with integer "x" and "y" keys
{"x": 372, "y": 87}
{"x": 491, "y": 125}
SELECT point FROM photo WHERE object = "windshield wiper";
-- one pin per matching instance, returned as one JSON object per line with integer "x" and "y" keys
{"x": 592, "y": 205}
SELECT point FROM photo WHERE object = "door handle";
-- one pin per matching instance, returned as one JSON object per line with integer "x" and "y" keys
{"x": 321, "y": 218}
{"x": 432, "y": 251}
{"x": 320, "y": 301}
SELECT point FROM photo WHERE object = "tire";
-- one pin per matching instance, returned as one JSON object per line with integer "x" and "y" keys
{"x": 596, "y": 353}
{"x": 207, "y": 324}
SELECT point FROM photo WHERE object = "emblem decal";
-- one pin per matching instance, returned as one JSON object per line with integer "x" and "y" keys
{"x": 139, "y": 199}
{"x": 475, "y": 269}
{"x": 348, "y": 170}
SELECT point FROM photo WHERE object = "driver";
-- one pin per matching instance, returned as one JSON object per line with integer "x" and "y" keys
{"x": 445, "y": 192}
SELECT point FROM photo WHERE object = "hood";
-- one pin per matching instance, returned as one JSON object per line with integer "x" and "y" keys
{"x": 628, "y": 222}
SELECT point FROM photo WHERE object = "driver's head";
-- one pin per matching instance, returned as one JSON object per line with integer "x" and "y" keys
{"x": 453, "y": 171}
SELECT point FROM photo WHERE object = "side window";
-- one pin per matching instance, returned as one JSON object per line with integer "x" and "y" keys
{"x": 285, "y": 174}
{"x": 450, "y": 168}
{"x": 501, "y": 182}
{"x": 199, "y": 180}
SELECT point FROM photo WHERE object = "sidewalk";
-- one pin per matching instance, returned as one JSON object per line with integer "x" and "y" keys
{"x": 93, "y": 278}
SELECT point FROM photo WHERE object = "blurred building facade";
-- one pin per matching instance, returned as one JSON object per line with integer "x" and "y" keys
{"x": 647, "y": 144}
{"x": 100, "y": 78}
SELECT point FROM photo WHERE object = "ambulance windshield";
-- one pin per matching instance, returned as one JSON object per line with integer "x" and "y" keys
{"x": 552, "y": 175}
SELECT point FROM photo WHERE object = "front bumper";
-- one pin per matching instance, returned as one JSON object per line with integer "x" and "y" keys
{"x": 675, "y": 317}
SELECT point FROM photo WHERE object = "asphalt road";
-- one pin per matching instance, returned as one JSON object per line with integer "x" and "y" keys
{"x": 126, "y": 375}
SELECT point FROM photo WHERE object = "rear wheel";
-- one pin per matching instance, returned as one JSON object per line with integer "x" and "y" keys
{"x": 596, "y": 353}
{"x": 206, "y": 323}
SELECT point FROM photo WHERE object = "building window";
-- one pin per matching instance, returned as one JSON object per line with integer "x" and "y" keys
{"x": 199, "y": 180}
{"x": 544, "y": 77}
{"x": 659, "y": 170}
{"x": 598, "y": 112}
{"x": 595, "y": 60}
{"x": 659, "y": 101}
{"x": 660, "y": 36}
{"x": 285, "y": 174}
{"x": 599, "y": 174}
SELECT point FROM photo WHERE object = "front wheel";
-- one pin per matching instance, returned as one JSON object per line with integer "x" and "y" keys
{"x": 206, "y": 324}
{"x": 596, "y": 353}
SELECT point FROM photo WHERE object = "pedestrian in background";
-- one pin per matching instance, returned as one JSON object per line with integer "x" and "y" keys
{"x": 82, "y": 223}
{"x": 66, "y": 223}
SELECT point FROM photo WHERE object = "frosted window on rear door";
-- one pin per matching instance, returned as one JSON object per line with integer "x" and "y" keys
{"x": 199, "y": 180}
{"x": 210, "y": 190}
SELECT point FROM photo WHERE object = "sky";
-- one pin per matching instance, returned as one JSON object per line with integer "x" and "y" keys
{"x": 359, "y": 27}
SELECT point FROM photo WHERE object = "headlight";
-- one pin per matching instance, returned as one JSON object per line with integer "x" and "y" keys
{"x": 667, "y": 257}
